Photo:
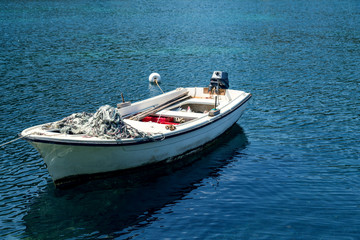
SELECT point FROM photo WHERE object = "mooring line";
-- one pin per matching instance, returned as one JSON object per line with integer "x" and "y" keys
{"x": 159, "y": 86}
{"x": 12, "y": 140}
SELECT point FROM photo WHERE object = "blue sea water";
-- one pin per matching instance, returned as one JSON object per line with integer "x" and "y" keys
{"x": 290, "y": 167}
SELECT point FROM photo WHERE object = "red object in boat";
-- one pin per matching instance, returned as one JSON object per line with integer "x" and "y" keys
{"x": 161, "y": 120}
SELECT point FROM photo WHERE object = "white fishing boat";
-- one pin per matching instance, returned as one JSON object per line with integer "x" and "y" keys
{"x": 160, "y": 129}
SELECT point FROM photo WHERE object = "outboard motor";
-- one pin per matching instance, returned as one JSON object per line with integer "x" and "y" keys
{"x": 219, "y": 80}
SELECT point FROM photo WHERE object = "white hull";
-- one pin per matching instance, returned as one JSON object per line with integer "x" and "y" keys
{"x": 68, "y": 158}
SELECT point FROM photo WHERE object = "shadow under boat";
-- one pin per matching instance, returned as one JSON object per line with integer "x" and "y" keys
{"x": 109, "y": 206}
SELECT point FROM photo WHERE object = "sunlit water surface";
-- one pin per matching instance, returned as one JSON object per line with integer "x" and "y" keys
{"x": 288, "y": 170}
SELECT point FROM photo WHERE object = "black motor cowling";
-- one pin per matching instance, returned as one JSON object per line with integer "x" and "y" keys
{"x": 219, "y": 80}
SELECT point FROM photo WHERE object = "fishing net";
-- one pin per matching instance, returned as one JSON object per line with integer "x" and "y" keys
{"x": 106, "y": 122}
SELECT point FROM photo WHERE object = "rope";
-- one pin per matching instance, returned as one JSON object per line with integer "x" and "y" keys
{"x": 159, "y": 86}
{"x": 14, "y": 140}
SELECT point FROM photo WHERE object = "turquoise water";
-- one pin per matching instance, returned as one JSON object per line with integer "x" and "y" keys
{"x": 288, "y": 170}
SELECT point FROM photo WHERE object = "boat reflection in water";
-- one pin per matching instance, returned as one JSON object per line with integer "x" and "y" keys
{"x": 110, "y": 206}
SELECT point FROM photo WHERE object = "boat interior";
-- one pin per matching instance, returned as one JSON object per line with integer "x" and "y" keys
{"x": 177, "y": 107}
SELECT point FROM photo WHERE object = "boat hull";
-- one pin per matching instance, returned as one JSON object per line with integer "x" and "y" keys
{"x": 68, "y": 162}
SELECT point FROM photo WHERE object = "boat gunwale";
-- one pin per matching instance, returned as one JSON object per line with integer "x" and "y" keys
{"x": 134, "y": 141}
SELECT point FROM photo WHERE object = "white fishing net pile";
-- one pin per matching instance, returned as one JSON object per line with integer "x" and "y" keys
{"x": 105, "y": 123}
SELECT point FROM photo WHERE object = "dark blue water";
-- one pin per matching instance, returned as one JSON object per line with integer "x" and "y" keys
{"x": 288, "y": 170}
